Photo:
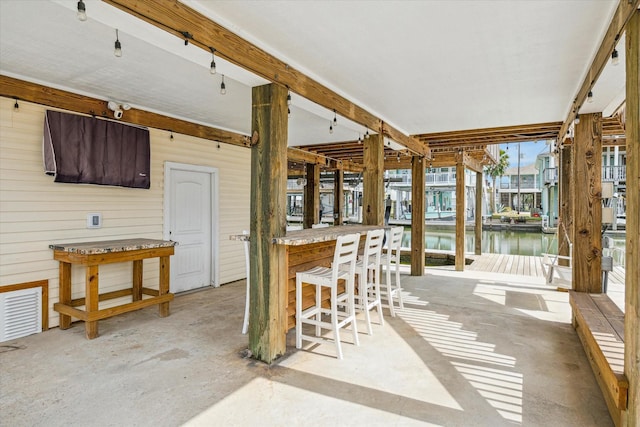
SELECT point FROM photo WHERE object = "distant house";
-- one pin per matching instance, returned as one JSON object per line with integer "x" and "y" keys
{"x": 527, "y": 187}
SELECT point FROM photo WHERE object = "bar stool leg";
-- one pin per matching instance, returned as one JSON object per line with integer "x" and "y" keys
{"x": 351, "y": 306}
{"x": 387, "y": 269}
{"x": 298, "y": 313}
{"x": 398, "y": 287}
{"x": 334, "y": 320}
{"x": 376, "y": 286}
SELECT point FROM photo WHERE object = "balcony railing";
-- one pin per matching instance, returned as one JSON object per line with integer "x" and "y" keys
{"x": 524, "y": 185}
{"x": 614, "y": 173}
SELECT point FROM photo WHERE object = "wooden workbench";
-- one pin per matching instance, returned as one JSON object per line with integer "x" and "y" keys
{"x": 92, "y": 255}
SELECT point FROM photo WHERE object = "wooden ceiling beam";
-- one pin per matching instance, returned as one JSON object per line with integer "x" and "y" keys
{"x": 56, "y": 98}
{"x": 489, "y": 133}
{"x": 622, "y": 15}
{"x": 471, "y": 163}
{"x": 177, "y": 19}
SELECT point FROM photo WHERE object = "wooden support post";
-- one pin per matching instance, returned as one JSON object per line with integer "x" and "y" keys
{"x": 460, "y": 212}
{"x": 311, "y": 210}
{"x": 338, "y": 196}
{"x": 268, "y": 282}
{"x": 632, "y": 277}
{"x": 373, "y": 185}
{"x": 417, "y": 215}
{"x": 565, "y": 226}
{"x": 478, "y": 218}
{"x": 587, "y": 205}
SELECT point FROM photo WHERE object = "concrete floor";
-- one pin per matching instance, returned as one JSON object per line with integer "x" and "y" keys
{"x": 470, "y": 349}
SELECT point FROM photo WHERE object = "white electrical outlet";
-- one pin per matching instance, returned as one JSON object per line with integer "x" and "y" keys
{"x": 94, "y": 220}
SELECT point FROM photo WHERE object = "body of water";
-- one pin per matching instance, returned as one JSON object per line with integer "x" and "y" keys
{"x": 497, "y": 242}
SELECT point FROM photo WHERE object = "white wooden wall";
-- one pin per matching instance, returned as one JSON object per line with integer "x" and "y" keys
{"x": 35, "y": 211}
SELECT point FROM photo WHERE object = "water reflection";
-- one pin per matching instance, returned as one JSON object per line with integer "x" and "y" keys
{"x": 509, "y": 242}
{"x": 498, "y": 242}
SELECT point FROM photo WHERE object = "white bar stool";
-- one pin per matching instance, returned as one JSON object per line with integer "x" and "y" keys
{"x": 245, "y": 324}
{"x": 343, "y": 268}
{"x": 392, "y": 257}
{"x": 368, "y": 271}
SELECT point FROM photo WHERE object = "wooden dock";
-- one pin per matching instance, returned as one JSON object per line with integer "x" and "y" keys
{"x": 525, "y": 266}
{"x": 508, "y": 264}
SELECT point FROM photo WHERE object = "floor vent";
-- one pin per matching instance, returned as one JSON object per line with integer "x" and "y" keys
{"x": 20, "y": 313}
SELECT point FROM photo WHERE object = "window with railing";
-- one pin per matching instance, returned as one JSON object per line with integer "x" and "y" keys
{"x": 550, "y": 175}
{"x": 614, "y": 173}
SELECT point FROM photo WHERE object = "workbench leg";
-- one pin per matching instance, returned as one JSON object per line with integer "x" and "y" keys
{"x": 91, "y": 301}
{"x": 137, "y": 280}
{"x": 65, "y": 292}
{"x": 163, "y": 288}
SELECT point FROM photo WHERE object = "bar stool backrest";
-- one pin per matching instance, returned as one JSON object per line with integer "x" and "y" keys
{"x": 396, "y": 241}
{"x": 373, "y": 246}
{"x": 345, "y": 255}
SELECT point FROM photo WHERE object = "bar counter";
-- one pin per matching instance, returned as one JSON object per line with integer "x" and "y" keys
{"x": 305, "y": 249}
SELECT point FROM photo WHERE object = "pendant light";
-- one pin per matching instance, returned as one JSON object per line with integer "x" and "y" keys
{"x": 212, "y": 68}
{"x": 82, "y": 11}
{"x": 223, "y": 87}
{"x": 118, "y": 47}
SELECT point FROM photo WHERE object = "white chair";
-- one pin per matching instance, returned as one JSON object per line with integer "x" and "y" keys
{"x": 392, "y": 258}
{"x": 368, "y": 272}
{"x": 343, "y": 268}
{"x": 245, "y": 324}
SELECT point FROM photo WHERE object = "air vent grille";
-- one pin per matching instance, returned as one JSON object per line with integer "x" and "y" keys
{"x": 20, "y": 313}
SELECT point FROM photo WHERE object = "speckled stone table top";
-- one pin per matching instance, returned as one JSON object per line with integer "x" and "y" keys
{"x": 108, "y": 246}
{"x": 314, "y": 235}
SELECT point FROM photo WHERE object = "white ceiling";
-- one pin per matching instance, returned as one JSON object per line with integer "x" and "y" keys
{"x": 422, "y": 66}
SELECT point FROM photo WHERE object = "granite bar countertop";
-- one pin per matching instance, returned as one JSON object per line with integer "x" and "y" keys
{"x": 317, "y": 235}
{"x": 108, "y": 246}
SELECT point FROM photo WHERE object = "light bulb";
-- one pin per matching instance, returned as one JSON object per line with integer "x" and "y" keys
{"x": 289, "y": 98}
{"x": 82, "y": 11}
{"x": 590, "y": 97}
{"x": 212, "y": 70}
{"x": 614, "y": 57}
{"x": 330, "y": 128}
{"x": 118, "y": 47}
{"x": 223, "y": 87}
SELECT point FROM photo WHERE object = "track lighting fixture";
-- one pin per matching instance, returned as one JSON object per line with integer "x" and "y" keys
{"x": 118, "y": 47}
{"x": 614, "y": 57}
{"x": 223, "y": 87}
{"x": 212, "y": 68}
{"x": 82, "y": 11}
{"x": 335, "y": 118}
{"x": 590, "y": 97}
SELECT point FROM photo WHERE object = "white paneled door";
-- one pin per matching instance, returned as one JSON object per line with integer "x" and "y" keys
{"x": 190, "y": 219}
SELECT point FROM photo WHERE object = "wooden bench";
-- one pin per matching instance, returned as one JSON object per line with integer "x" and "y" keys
{"x": 600, "y": 327}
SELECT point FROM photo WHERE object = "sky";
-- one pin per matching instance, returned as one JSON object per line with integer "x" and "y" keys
{"x": 528, "y": 152}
